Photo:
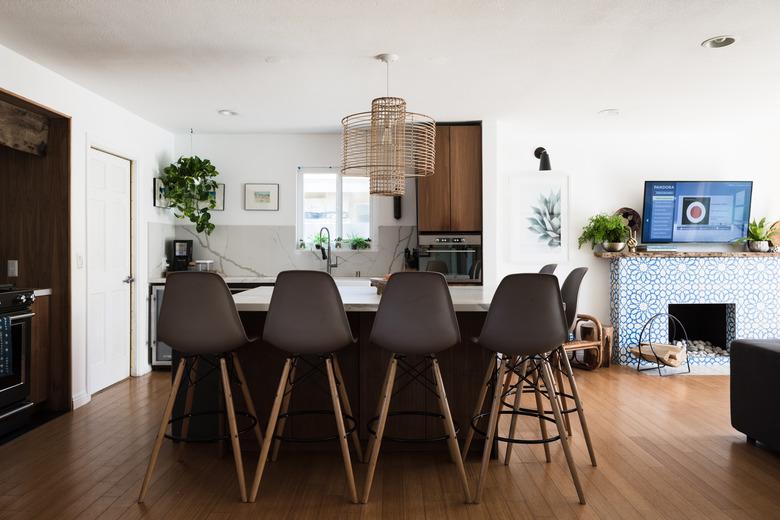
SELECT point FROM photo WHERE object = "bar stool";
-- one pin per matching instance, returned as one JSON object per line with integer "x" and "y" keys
{"x": 532, "y": 304}
{"x": 198, "y": 318}
{"x": 415, "y": 318}
{"x": 561, "y": 366}
{"x": 306, "y": 317}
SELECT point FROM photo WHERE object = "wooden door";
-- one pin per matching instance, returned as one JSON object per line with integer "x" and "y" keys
{"x": 108, "y": 270}
{"x": 465, "y": 177}
{"x": 433, "y": 193}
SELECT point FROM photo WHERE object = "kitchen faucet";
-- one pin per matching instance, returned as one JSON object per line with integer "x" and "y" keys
{"x": 326, "y": 256}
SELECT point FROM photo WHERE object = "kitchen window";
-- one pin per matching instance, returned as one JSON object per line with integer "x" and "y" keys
{"x": 340, "y": 203}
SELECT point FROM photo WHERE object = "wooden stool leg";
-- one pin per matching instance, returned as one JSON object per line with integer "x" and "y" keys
{"x": 250, "y": 404}
{"x": 452, "y": 436}
{"x": 387, "y": 393}
{"x": 558, "y": 368}
{"x": 288, "y": 390}
{"x": 495, "y": 407}
{"x": 478, "y": 408}
{"x": 515, "y": 408}
{"x": 347, "y": 407}
{"x": 233, "y": 426}
{"x": 372, "y": 438}
{"x": 540, "y": 411}
{"x": 269, "y": 431}
{"x": 548, "y": 383}
{"x": 580, "y": 410}
{"x": 185, "y": 424}
{"x": 334, "y": 395}
{"x": 161, "y": 432}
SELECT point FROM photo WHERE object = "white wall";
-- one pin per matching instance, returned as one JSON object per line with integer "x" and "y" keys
{"x": 97, "y": 122}
{"x": 607, "y": 165}
{"x": 274, "y": 158}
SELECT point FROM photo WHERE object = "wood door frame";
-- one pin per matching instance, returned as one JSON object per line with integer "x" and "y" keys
{"x": 100, "y": 146}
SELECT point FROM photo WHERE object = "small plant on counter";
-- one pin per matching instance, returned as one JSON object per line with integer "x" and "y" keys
{"x": 604, "y": 229}
{"x": 190, "y": 188}
{"x": 320, "y": 240}
{"x": 358, "y": 242}
{"x": 759, "y": 235}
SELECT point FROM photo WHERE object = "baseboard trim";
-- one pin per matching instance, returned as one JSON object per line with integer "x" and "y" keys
{"x": 81, "y": 399}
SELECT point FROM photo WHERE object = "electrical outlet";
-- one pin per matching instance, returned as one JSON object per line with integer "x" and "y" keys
{"x": 13, "y": 268}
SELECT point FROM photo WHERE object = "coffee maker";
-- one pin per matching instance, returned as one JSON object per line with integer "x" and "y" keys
{"x": 182, "y": 255}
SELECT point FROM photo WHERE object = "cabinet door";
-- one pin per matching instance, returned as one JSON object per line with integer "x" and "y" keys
{"x": 466, "y": 177}
{"x": 433, "y": 193}
{"x": 40, "y": 350}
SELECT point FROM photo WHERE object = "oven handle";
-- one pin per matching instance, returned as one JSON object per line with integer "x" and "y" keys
{"x": 22, "y": 316}
{"x": 450, "y": 250}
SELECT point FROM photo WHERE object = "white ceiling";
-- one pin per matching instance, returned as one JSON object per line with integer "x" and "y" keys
{"x": 300, "y": 65}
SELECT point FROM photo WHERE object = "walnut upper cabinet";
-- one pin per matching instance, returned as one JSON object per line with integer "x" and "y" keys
{"x": 451, "y": 199}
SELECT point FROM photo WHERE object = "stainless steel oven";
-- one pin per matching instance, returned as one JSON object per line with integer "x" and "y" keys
{"x": 15, "y": 345}
{"x": 457, "y": 256}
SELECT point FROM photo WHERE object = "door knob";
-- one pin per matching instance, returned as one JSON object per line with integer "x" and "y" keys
{"x": 129, "y": 279}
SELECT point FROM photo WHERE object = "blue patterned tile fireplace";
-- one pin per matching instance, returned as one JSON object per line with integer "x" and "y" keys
{"x": 721, "y": 296}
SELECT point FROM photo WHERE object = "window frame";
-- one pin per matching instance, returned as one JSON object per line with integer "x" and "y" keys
{"x": 373, "y": 235}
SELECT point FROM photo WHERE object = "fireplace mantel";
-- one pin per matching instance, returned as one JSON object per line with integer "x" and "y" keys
{"x": 645, "y": 284}
{"x": 686, "y": 254}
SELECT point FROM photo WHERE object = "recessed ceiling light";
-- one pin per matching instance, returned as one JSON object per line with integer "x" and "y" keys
{"x": 717, "y": 42}
{"x": 226, "y": 112}
{"x": 610, "y": 112}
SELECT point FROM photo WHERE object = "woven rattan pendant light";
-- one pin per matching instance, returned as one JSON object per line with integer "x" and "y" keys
{"x": 388, "y": 144}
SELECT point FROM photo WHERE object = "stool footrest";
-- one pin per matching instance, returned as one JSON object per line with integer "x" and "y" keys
{"x": 179, "y": 418}
{"x": 350, "y": 427}
{"x": 418, "y": 413}
{"x": 529, "y": 413}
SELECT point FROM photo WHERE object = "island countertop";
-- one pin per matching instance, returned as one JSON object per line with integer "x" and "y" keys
{"x": 358, "y": 296}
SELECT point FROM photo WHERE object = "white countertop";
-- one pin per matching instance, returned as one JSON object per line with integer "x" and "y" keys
{"x": 231, "y": 279}
{"x": 359, "y": 296}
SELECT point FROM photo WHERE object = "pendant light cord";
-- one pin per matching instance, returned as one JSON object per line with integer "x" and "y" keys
{"x": 387, "y": 79}
{"x": 191, "y": 134}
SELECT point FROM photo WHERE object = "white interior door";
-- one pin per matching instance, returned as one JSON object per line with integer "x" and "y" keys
{"x": 108, "y": 269}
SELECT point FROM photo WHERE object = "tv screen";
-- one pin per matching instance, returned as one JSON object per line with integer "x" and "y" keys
{"x": 696, "y": 211}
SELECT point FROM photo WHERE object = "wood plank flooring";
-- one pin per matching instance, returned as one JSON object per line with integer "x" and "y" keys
{"x": 665, "y": 449}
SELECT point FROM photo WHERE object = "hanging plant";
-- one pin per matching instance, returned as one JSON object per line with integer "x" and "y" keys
{"x": 190, "y": 189}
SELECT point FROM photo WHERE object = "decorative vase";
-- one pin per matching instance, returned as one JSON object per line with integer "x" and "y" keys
{"x": 613, "y": 247}
{"x": 758, "y": 246}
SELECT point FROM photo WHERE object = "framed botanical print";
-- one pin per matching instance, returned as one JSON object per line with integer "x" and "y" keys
{"x": 261, "y": 197}
{"x": 159, "y": 194}
{"x": 219, "y": 196}
{"x": 538, "y": 229}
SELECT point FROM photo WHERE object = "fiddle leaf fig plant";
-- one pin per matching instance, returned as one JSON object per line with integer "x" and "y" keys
{"x": 190, "y": 188}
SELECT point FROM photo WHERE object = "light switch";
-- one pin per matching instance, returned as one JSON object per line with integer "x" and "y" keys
{"x": 79, "y": 262}
{"x": 13, "y": 268}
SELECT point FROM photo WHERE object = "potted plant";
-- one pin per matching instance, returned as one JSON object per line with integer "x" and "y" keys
{"x": 759, "y": 236}
{"x": 190, "y": 188}
{"x": 609, "y": 231}
{"x": 320, "y": 240}
{"x": 358, "y": 242}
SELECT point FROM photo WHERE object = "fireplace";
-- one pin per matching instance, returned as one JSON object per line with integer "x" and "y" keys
{"x": 711, "y": 327}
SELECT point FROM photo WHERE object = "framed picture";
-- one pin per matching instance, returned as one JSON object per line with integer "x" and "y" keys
{"x": 219, "y": 195}
{"x": 261, "y": 197}
{"x": 538, "y": 218}
{"x": 159, "y": 194}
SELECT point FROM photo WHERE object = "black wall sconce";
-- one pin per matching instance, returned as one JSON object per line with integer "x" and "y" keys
{"x": 544, "y": 159}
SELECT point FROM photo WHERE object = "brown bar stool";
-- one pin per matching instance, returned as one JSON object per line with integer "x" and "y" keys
{"x": 306, "y": 317}
{"x": 532, "y": 304}
{"x": 415, "y": 318}
{"x": 198, "y": 318}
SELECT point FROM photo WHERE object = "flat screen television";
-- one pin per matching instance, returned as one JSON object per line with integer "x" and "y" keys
{"x": 696, "y": 211}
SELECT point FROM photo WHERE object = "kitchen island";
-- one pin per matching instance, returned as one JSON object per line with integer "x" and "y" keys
{"x": 363, "y": 367}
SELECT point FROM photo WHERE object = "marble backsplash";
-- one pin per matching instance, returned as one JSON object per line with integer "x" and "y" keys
{"x": 266, "y": 250}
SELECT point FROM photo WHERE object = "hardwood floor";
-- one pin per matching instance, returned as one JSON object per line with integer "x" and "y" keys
{"x": 665, "y": 449}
